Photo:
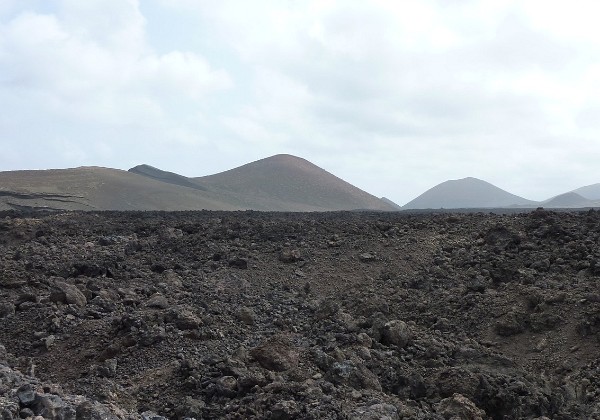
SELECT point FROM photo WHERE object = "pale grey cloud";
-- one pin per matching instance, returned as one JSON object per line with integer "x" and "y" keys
{"x": 393, "y": 96}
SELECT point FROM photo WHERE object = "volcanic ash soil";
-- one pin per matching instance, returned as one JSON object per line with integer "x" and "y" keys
{"x": 309, "y": 316}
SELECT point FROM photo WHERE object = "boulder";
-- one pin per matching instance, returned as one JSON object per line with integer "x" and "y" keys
{"x": 287, "y": 255}
{"x": 285, "y": 410}
{"x": 246, "y": 315}
{"x": 277, "y": 354}
{"x": 396, "y": 333}
{"x": 354, "y": 375}
{"x": 157, "y": 301}
{"x": 67, "y": 293}
{"x": 459, "y": 407}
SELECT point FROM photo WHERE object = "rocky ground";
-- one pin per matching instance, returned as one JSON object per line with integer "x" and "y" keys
{"x": 309, "y": 316}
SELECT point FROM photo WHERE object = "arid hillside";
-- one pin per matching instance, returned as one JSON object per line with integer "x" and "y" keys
{"x": 94, "y": 188}
{"x": 286, "y": 182}
{"x": 278, "y": 183}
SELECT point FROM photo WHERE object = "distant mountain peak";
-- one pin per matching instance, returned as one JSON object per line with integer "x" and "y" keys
{"x": 292, "y": 182}
{"x": 591, "y": 192}
{"x": 468, "y": 179}
{"x": 568, "y": 200}
{"x": 285, "y": 156}
{"x": 466, "y": 192}
{"x": 285, "y": 160}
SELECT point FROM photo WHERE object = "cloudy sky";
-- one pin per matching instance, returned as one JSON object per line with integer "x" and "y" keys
{"x": 393, "y": 96}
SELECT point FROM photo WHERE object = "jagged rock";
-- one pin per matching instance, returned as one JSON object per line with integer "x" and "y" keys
{"x": 277, "y": 354}
{"x": 354, "y": 375}
{"x": 192, "y": 408}
{"x": 49, "y": 341}
{"x": 152, "y": 335}
{"x": 67, "y": 293}
{"x": 364, "y": 339}
{"x": 544, "y": 321}
{"x": 26, "y": 413}
{"x": 184, "y": 319}
{"x": 94, "y": 411}
{"x": 26, "y": 395}
{"x": 52, "y": 407}
{"x": 366, "y": 257}
{"x": 169, "y": 233}
{"x": 158, "y": 301}
{"x": 108, "y": 369}
{"x": 26, "y": 297}
{"x": 9, "y": 408}
{"x": 172, "y": 279}
{"x": 511, "y": 324}
{"x": 396, "y": 333}
{"x": 459, "y": 407}
{"x": 375, "y": 412}
{"x": 226, "y": 386}
{"x": 287, "y": 255}
{"x": 285, "y": 410}
{"x": 240, "y": 263}
{"x": 9, "y": 282}
{"x": 151, "y": 415}
{"x": 327, "y": 308}
{"x": 249, "y": 379}
{"x": 246, "y": 315}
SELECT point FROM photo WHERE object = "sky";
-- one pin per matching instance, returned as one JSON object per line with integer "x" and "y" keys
{"x": 392, "y": 96}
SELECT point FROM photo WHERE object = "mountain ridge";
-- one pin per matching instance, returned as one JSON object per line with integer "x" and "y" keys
{"x": 165, "y": 176}
{"x": 281, "y": 182}
{"x": 277, "y": 183}
{"x": 98, "y": 188}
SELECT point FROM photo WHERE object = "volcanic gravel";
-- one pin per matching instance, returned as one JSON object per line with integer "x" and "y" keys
{"x": 300, "y": 316}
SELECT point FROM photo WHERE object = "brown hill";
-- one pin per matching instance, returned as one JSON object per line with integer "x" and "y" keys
{"x": 289, "y": 183}
{"x": 95, "y": 188}
{"x": 278, "y": 183}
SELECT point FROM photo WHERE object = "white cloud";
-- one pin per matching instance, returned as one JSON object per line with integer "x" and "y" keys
{"x": 7, "y": 7}
{"x": 181, "y": 73}
{"x": 89, "y": 60}
{"x": 394, "y": 96}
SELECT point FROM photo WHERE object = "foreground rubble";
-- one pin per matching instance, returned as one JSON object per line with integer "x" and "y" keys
{"x": 309, "y": 316}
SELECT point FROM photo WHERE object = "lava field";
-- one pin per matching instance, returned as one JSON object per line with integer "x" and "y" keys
{"x": 345, "y": 315}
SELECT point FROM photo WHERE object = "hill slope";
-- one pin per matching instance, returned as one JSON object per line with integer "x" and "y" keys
{"x": 391, "y": 203}
{"x": 591, "y": 192}
{"x": 569, "y": 200}
{"x": 466, "y": 193}
{"x": 94, "y": 188}
{"x": 278, "y": 183}
{"x": 165, "y": 176}
{"x": 290, "y": 183}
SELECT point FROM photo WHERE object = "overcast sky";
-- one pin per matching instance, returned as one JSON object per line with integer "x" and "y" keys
{"x": 392, "y": 96}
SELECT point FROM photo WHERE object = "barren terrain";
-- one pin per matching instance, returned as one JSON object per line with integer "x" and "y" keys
{"x": 300, "y": 315}
{"x": 277, "y": 183}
